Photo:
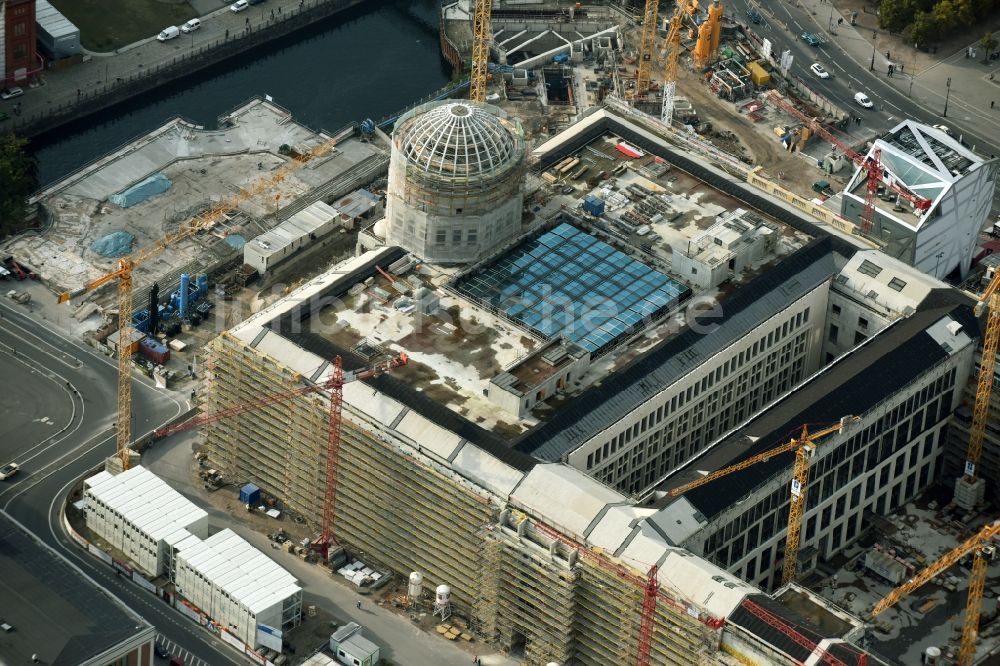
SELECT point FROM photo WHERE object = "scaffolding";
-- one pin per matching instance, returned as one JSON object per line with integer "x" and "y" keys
{"x": 517, "y": 587}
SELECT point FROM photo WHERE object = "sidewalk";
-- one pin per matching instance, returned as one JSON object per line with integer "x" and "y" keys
{"x": 105, "y": 79}
{"x": 924, "y": 77}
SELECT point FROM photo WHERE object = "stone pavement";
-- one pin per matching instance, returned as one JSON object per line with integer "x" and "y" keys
{"x": 925, "y": 77}
{"x": 62, "y": 90}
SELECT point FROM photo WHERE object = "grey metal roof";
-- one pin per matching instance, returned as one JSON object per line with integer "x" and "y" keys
{"x": 55, "y": 612}
{"x": 619, "y": 394}
{"x": 52, "y": 22}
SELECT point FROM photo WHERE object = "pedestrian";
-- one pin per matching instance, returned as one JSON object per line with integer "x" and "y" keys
{"x": 900, "y": 68}
{"x": 359, "y": 605}
{"x": 272, "y": 13}
{"x": 301, "y": 2}
{"x": 991, "y": 77}
{"x": 991, "y": 103}
{"x": 227, "y": 34}
{"x": 279, "y": 9}
{"x": 78, "y": 93}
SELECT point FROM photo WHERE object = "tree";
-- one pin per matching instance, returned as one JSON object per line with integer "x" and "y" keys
{"x": 17, "y": 181}
{"x": 922, "y": 30}
{"x": 988, "y": 43}
{"x": 895, "y": 15}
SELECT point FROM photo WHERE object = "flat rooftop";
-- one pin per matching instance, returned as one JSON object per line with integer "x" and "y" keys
{"x": 204, "y": 167}
{"x": 56, "y": 613}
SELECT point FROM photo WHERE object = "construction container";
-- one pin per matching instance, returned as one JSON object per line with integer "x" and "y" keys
{"x": 250, "y": 494}
{"x": 594, "y": 205}
{"x": 154, "y": 351}
{"x": 758, "y": 74}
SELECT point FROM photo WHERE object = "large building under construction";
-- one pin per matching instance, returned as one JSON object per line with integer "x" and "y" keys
{"x": 565, "y": 376}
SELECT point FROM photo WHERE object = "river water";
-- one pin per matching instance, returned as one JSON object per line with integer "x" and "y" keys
{"x": 364, "y": 63}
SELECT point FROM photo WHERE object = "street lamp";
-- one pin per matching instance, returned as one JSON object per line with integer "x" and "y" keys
{"x": 946, "y": 96}
{"x": 871, "y": 67}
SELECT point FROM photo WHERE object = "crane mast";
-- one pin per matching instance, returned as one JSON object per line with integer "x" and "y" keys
{"x": 670, "y": 70}
{"x": 804, "y": 446}
{"x": 481, "y": 34}
{"x": 977, "y": 581}
{"x": 646, "y": 47}
{"x": 990, "y": 302}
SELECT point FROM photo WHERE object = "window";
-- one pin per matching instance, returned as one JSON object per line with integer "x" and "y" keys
{"x": 694, "y": 271}
{"x": 472, "y": 237}
{"x": 456, "y": 237}
{"x": 20, "y": 28}
{"x": 868, "y": 268}
{"x": 833, "y": 333}
{"x": 897, "y": 284}
{"x": 442, "y": 237}
{"x": 835, "y": 309}
{"x": 862, "y": 323}
{"x": 859, "y": 337}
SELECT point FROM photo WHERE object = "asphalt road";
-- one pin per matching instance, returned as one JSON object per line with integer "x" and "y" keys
{"x": 848, "y": 75}
{"x": 51, "y": 462}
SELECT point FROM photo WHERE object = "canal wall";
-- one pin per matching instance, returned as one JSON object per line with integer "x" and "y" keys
{"x": 94, "y": 99}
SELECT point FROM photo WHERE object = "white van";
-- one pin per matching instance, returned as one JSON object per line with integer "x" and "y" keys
{"x": 169, "y": 33}
{"x": 191, "y": 25}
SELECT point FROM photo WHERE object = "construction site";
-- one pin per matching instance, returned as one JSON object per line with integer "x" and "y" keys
{"x": 507, "y": 349}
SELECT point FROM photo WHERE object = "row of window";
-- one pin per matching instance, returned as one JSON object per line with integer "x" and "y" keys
{"x": 721, "y": 372}
{"x": 866, "y": 454}
{"x": 471, "y": 237}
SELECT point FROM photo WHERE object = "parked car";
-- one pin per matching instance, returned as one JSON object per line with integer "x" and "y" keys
{"x": 169, "y": 33}
{"x": 8, "y": 470}
{"x": 811, "y": 39}
{"x": 160, "y": 651}
{"x": 239, "y": 6}
{"x": 191, "y": 25}
{"x": 819, "y": 70}
{"x": 11, "y": 93}
{"x": 945, "y": 129}
{"x": 862, "y": 100}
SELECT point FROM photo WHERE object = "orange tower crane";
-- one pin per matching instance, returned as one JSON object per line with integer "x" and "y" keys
{"x": 673, "y": 55}
{"x": 804, "y": 446}
{"x": 482, "y": 32}
{"x": 648, "y": 619}
{"x": 123, "y": 275}
{"x": 990, "y": 302}
{"x": 335, "y": 385}
{"x": 872, "y": 166}
{"x": 646, "y": 47}
{"x": 977, "y": 582}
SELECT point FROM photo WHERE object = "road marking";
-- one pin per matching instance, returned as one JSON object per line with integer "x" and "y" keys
{"x": 77, "y": 363}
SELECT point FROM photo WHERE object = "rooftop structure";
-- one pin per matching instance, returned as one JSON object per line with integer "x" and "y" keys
{"x": 57, "y": 36}
{"x": 930, "y": 164}
{"x": 59, "y": 614}
{"x": 567, "y": 283}
{"x": 455, "y": 181}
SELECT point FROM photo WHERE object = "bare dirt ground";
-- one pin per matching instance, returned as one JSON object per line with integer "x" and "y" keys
{"x": 758, "y": 139}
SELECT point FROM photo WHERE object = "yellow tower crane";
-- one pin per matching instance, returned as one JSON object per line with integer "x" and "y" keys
{"x": 804, "y": 446}
{"x": 989, "y": 301}
{"x": 673, "y": 55}
{"x": 977, "y": 582}
{"x": 482, "y": 32}
{"x": 646, "y": 47}
{"x": 123, "y": 275}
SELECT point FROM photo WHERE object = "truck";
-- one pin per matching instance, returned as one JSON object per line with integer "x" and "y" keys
{"x": 19, "y": 296}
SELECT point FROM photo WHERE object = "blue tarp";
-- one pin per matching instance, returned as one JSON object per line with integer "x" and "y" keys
{"x": 115, "y": 244}
{"x": 146, "y": 189}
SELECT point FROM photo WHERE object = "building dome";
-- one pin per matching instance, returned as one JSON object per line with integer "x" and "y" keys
{"x": 459, "y": 139}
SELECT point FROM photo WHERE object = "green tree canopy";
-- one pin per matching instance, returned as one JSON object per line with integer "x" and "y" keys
{"x": 17, "y": 181}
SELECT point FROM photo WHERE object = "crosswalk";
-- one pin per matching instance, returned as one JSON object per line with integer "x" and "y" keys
{"x": 176, "y": 650}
